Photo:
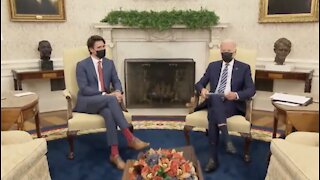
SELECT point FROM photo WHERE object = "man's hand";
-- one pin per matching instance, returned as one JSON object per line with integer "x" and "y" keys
{"x": 231, "y": 96}
{"x": 118, "y": 95}
{"x": 204, "y": 93}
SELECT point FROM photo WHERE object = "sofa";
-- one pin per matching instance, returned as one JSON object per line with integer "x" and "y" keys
{"x": 23, "y": 157}
{"x": 295, "y": 157}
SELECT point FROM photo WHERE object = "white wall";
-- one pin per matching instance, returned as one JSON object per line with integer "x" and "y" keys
{"x": 21, "y": 38}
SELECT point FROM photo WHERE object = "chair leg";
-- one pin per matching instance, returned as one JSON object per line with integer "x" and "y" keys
{"x": 247, "y": 143}
{"x": 70, "y": 137}
{"x": 186, "y": 133}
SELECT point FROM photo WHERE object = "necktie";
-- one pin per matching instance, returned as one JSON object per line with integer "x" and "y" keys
{"x": 101, "y": 76}
{"x": 223, "y": 80}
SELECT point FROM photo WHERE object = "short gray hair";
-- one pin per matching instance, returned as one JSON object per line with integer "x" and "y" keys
{"x": 229, "y": 41}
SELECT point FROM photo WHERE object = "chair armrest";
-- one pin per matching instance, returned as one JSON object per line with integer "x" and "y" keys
{"x": 68, "y": 97}
{"x": 306, "y": 138}
{"x": 123, "y": 107}
{"x": 15, "y": 137}
{"x": 194, "y": 101}
{"x": 66, "y": 93}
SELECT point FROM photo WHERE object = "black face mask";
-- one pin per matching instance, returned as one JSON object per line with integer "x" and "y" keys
{"x": 101, "y": 53}
{"x": 226, "y": 56}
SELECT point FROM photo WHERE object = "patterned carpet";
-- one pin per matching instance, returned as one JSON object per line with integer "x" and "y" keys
{"x": 57, "y": 132}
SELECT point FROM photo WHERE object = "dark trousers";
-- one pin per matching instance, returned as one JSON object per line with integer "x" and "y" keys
{"x": 219, "y": 109}
{"x": 109, "y": 108}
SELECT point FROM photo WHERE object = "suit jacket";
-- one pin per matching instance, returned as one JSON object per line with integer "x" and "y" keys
{"x": 241, "y": 83}
{"x": 88, "y": 81}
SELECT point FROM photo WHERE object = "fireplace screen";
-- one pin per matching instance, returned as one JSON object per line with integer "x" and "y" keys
{"x": 159, "y": 83}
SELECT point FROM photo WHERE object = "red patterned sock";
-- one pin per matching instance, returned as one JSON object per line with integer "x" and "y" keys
{"x": 129, "y": 136}
{"x": 114, "y": 150}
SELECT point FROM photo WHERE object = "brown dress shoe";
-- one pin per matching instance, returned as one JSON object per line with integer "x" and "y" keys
{"x": 118, "y": 162}
{"x": 137, "y": 144}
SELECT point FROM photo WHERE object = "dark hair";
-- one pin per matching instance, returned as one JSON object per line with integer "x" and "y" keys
{"x": 92, "y": 40}
{"x": 283, "y": 41}
{"x": 43, "y": 42}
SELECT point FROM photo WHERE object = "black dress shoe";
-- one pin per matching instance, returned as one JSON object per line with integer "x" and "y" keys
{"x": 230, "y": 148}
{"x": 211, "y": 165}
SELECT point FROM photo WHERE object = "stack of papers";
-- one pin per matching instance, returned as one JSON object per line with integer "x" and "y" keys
{"x": 289, "y": 99}
{"x": 286, "y": 103}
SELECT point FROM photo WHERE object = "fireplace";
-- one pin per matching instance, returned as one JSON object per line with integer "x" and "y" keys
{"x": 159, "y": 83}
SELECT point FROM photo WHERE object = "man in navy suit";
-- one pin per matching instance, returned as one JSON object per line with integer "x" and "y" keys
{"x": 231, "y": 84}
{"x": 94, "y": 76}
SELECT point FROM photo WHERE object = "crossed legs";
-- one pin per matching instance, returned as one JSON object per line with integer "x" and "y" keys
{"x": 109, "y": 108}
{"x": 217, "y": 115}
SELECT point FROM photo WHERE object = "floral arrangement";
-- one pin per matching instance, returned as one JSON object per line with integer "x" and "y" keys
{"x": 162, "y": 164}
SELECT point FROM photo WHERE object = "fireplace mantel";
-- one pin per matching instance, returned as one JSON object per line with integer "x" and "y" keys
{"x": 124, "y": 42}
{"x": 107, "y": 31}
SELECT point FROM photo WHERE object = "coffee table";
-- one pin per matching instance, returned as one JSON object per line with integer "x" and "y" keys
{"x": 188, "y": 153}
{"x": 18, "y": 110}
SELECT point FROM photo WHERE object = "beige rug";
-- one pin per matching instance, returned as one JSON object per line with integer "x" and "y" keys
{"x": 171, "y": 125}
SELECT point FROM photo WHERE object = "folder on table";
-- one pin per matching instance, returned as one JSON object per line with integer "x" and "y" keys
{"x": 289, "y": 98}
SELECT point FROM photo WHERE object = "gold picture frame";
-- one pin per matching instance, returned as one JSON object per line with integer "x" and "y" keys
{"x": 281, "y": 11}
{"x": 37, "y": 10}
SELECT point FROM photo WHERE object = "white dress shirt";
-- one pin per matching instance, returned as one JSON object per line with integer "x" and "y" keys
{"x": 95, "y": 63}
{"x": 228, "y": 85}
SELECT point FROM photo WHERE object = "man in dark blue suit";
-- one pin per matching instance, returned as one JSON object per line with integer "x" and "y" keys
{"x": 94, "y": 76}
{"x": 231, "y": 84}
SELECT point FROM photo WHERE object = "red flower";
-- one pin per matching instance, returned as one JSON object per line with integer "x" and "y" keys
{"x": 157, "y": 178}
{"x": 172, "y": 173}
{"x": 186, "y": 167}
{"x": 155, "y": 168}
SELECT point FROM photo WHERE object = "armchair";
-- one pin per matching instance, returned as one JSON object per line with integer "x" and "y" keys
{"x": 23, "y": 157}
{"x": 235, "y": 123}
{"x": 79, "y": 121}
{"x": 295, "y": 157}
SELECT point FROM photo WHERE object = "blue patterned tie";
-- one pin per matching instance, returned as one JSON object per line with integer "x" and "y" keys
{"x": 223, "y": 80}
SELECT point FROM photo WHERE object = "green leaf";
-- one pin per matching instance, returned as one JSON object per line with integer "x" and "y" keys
{"x": 163, "y": 20}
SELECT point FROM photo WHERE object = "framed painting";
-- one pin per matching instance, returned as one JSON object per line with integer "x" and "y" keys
{"x": 37, "y": 10}
{"x": 279, "y": 11}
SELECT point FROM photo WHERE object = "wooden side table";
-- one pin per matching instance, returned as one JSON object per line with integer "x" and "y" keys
{"x": 18, "y": 109}
{"x": 303, "y": 75}
{"x": 19, "y": 75}
{"x": 302, "y": 118}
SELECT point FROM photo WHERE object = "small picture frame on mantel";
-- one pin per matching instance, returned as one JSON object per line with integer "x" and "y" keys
{"x": 37, "y": 10}
{"x": 282, "y": 11}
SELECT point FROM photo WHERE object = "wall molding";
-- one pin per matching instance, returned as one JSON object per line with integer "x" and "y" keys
{"x": 7, "y": 65}
{"x": 297, "y": 63}
{"x": 32, "y": 64}
{"x": 108, "y": 31}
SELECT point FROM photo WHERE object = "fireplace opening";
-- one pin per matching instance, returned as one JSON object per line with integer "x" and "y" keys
{"x": 159, "y": 83}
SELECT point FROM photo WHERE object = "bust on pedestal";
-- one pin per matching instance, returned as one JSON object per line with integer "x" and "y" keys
{"x": 45, "y": 49}
{"x": 282, "y": 48}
